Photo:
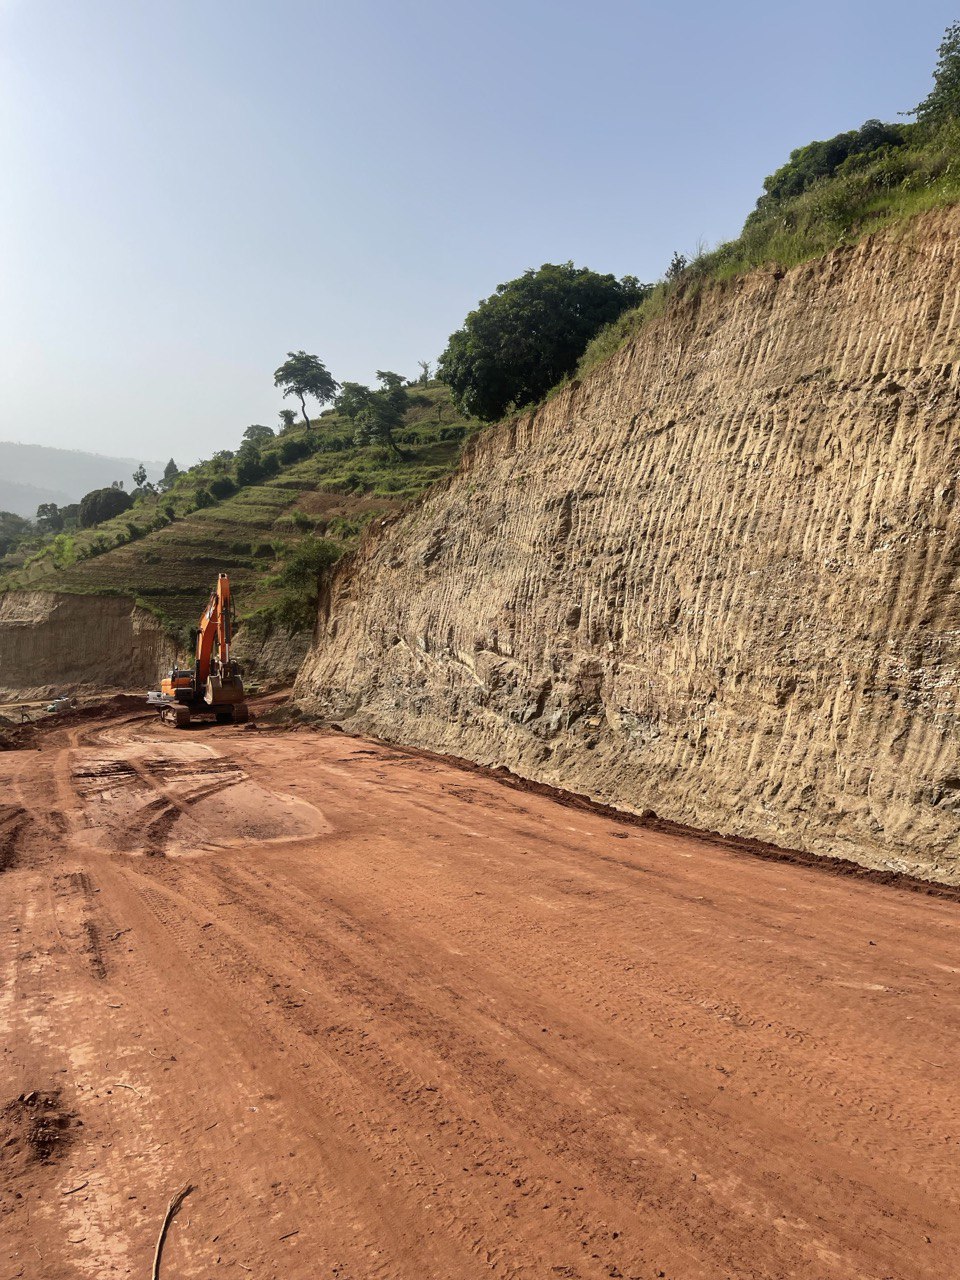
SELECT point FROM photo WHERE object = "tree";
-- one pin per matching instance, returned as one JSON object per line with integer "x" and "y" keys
{"x": 249, "y": 463}
{"x": 303, "y": 375}
{"x": 521, "y": 341}
{"x": 377, "y": 422}
{"x": 353, "y": 398}
{"x": 258, "y": 434}
{"x": 139, "y": 476}
{"x": 13, "y": 529}
{"x": 384, "y": 412}
{"x": 424, "y": 371}
{"x": 49, "y": 518}
{"x": 102, "y": 504}
{"x": 942, "y": 103}
{"x": 170, "y": 473}
{"x": 287, "y": 419}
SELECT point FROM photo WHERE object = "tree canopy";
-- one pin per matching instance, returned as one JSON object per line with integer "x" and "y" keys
{"x": 530, "y": 334}
{"x": 353, "y": 398}
{"x": 49, "y": 517}
{"x": 819, "y": 160}
{"x": 942, "y": 103}
{"x": 13, "y": 529}
{"x": 102, "y": 504}
{"x": 303, "y": 375}
{"x": 258, "y": 433}
{"x": 383, "y": 412}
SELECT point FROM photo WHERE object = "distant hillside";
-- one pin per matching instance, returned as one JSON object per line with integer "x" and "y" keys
{"x": 34, "y": 473}
{"x": 23, "y": 499}
{"x": 167, "y": 549}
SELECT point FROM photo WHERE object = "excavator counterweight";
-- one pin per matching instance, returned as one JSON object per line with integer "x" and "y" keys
{"x": 213, "y": 686}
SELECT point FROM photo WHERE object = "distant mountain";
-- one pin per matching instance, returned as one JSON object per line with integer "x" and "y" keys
{"x": 32, "y": 473}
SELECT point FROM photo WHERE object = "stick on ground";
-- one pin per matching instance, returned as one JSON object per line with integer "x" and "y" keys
{"x": 173, "y": 1208}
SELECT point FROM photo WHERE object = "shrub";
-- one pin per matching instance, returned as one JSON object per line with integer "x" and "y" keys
{"x": 291, "y": 450}
{"x": 222, "y": 487}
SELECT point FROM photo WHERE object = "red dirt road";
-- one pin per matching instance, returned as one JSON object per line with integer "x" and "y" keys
{"x": 396, "y": 1020}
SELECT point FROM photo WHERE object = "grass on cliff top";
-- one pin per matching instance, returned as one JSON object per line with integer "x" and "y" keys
{"x": 869, "y": 192}
{"x": 167, "y": 550}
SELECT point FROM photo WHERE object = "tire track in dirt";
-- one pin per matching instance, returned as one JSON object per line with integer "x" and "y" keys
{"x": 452, "y": 1035}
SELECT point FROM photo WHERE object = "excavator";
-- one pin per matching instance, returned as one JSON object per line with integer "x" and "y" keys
{"x": 213, "y": 685}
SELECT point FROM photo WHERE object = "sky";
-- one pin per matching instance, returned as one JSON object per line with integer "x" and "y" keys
{"x": 193, "y": 188}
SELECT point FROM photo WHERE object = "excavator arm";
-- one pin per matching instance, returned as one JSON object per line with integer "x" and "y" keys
{"x": 215, "y": 629}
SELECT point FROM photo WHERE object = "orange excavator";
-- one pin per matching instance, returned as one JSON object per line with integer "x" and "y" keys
{"x": 213, "y": 685}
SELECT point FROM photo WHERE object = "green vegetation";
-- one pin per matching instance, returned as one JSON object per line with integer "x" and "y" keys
{"x": 827, "y": 195}
{"x": 271, "y": 514}
{"x": 14, "y": 529}
{"x": 303, "y": 375}
{"x": 942, "y": 103}
{"x": 102, "y": 504}
{"x": 518, "y": 343}
{"x": 382, "y": 412}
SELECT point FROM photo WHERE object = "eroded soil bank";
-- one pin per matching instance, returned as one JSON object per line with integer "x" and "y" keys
{"x": 59, "y": 643}
{"x": 392, "y": 1019}
{"x": 717, "y": 580}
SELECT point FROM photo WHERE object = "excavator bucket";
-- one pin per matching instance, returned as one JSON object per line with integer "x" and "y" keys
{"x": 221, "y": 692}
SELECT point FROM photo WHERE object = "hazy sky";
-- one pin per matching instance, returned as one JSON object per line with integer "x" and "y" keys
{"x": 191, "y": 188}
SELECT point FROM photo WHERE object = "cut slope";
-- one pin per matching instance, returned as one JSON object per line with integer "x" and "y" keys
{"x": 717, "y": 579}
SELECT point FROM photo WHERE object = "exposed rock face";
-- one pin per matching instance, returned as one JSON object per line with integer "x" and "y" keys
{"x": 53, "y": 643}
{"x": 719, "y": 579}
{"x": 278, "y": 655}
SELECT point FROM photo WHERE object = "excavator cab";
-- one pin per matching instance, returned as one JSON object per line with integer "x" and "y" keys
{"x": 214, "y": 684}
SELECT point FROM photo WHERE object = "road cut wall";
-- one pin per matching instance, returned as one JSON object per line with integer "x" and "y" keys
{"x": 719, "y": 579}
{"x": 58, "y": 643}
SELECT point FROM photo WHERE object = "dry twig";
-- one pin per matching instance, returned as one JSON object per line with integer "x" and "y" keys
{"x": 173, "y": 1208}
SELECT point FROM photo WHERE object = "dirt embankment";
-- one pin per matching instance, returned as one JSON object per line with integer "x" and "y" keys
{"x": 717, "y": 580}
{"x": 60, "y": 643}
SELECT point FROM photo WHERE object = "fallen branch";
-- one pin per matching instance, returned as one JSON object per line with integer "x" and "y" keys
{"x": 78, "y": 1187}
{"x": 173, "y": 1208}
{"x": 295, "y": 1232}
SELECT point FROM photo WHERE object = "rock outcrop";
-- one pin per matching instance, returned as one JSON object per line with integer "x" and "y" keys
{"x": 719, "y": 579}
{"x": 58, "y": 643}
{"x": 274, "y": 657}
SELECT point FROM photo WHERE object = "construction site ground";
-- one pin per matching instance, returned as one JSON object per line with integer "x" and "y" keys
{"x": 393, "y": 1019}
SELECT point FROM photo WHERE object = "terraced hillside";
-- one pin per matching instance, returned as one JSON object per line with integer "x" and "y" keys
{"x": 166, "y": 551}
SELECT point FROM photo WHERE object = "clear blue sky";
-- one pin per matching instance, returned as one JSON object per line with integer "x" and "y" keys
{"x": 194, "y": 187}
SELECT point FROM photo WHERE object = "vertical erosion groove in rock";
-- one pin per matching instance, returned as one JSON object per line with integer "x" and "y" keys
{"x": 719, "y": 578}
{"x": 53, "y": 642}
